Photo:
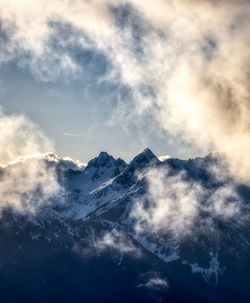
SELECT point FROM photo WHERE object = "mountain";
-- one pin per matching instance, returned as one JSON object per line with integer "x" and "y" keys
{"x": 147, "y": 231}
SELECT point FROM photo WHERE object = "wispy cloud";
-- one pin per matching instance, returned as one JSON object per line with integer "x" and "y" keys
{"x": 78, "y": 135}
{"x": 119, "y": 241}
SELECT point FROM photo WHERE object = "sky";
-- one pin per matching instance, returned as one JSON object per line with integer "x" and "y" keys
{"x": 76, "y": 115}
{"x": 79, "y": 111}
{"x": 124, "y": 75}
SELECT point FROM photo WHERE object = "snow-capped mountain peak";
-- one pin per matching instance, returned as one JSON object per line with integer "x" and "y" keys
{"x": 102, "y": 160}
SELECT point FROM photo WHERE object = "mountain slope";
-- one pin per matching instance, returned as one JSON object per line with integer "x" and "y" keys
{"x": 96, "y": 221}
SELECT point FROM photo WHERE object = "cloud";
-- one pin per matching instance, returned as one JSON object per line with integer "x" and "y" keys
{"x": 170, "y": 204}
{"x": 190, "y": 74}
{"x": 19, "y": 136}
{"x": 118, "y": 241}
{"x": 163, "y": 158}
{"x": 28, "y": 185}
{"x": 27, "y": 182}
{"x": 63, "y": 163}
{"x": 202, "y": 84}
{"x": 155, "y": 283}
{"x": 32, "y": 30}
{"x": 178, "y": 204}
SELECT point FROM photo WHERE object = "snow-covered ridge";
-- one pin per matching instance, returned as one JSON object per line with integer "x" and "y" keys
{"x": 107, "y": 189}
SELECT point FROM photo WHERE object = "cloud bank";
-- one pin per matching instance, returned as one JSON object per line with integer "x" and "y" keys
{"x": 19, "y": 137}
{"x": 27, "y": 182}
{"x": 185, "y": 61}
{"x": 179, "y": 205}
{"x": 27, "y": 186}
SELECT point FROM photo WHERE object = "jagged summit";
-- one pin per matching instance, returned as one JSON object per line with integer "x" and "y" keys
{"x": 144, "y": 158}
{"x": 104, "y": 155}
{"x": 148, "y": 153}
{"x": 141, "y": 161}
{"x": 102, "y": 160}
{"x": 105, "y": 165}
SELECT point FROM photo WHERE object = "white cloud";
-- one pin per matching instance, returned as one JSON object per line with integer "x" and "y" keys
{"x": 175, "y": 204}
{"x": 171, "y": 203}
{"x": 26, "y": 180}
{"x": 163, "y": 158}
{"x": 26, "y": 186}
{"x": 63, "y": 163}
{"x": 19, "y": 137}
